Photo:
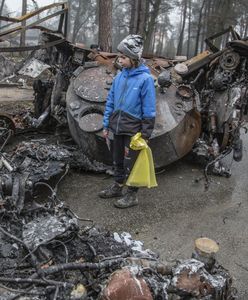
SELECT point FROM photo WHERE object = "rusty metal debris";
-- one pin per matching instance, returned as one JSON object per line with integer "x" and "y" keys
{"x": 125, "y": 284}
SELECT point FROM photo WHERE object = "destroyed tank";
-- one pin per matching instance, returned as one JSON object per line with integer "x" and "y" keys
{"x": 178, "y": 122}
{"x": 201, "y": 104}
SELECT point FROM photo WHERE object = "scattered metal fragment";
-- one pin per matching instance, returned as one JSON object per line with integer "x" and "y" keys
{"x": 45, "y": 229}
{"x": 33, "y": 163}
{"x": 33, "y": 68}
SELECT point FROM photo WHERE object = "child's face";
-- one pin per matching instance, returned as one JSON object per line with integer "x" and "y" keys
{"x": 124, "y": 61}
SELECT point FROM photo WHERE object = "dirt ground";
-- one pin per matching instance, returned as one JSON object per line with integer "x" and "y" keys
{"x": 11, "y": 93}
{"x": 170, "y": 217}
{"x": 9, "y": 103}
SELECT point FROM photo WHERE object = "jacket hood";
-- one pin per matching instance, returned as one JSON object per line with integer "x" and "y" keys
{"x": 134, "y": 71}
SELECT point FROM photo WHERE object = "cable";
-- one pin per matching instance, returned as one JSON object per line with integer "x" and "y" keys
{"x": 62, "y": 177}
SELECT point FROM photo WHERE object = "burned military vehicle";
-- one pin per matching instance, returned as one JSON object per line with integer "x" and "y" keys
{"x": 201, "y": 102}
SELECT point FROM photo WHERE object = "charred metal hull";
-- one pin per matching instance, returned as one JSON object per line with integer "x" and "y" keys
{"x": 177, "y": 127}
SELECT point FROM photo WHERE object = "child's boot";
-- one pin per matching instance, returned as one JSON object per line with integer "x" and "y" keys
{"x": 128, "y": 200}
{"x": 114, "y": 190}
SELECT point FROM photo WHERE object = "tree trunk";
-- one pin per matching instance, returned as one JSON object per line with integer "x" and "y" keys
{"x": 76, "y": 25}
{"x": 180, "y": 43}
{"x": 199, "y": 28}
{"x": 151, "y": 25}
{"x": 161, "y": 39}
{"x": 142, "y": 17}
{"x": 138, "y": 16}
{"x": 165, "y": 38}
{"x": 154, "y": 39}
{"x": 105, "y": 25}
{"x": 1, "y": 10}
{"x": 83, "y": 12}
{"x": 69, "y": 34}
{"x": 23, "y": 33}
{"x": 204, "y": 28}
{"x": 1, "y": 7}
{"x": 132, "y": 19}
{"x": 209, "y": 24}
{"x": 189, "y": 29}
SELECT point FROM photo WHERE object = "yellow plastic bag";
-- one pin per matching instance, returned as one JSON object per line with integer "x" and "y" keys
{"x": 143, "y": 173}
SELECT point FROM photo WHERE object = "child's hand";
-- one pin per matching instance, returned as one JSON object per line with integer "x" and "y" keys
{"x": 105, "y": 133}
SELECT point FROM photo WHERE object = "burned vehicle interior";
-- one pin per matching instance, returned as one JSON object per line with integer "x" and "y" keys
{"x": 47, "y": 251}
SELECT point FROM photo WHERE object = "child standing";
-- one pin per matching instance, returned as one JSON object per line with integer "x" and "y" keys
{"x": 130, "y": 108}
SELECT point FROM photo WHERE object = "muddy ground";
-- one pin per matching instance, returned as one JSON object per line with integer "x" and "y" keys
{"x": 170, "y": 217}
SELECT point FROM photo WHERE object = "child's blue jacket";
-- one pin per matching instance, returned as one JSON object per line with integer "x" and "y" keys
{"x": 131, "y": 103}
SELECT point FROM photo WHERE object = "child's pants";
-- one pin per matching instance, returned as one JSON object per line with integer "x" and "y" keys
{"x": 123, "y": 157}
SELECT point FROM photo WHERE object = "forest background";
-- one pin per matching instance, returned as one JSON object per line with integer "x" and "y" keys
{"x": 169, "y": 27}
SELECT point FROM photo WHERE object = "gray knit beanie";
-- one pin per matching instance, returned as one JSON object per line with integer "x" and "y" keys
{"x": 131, "y": 46}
